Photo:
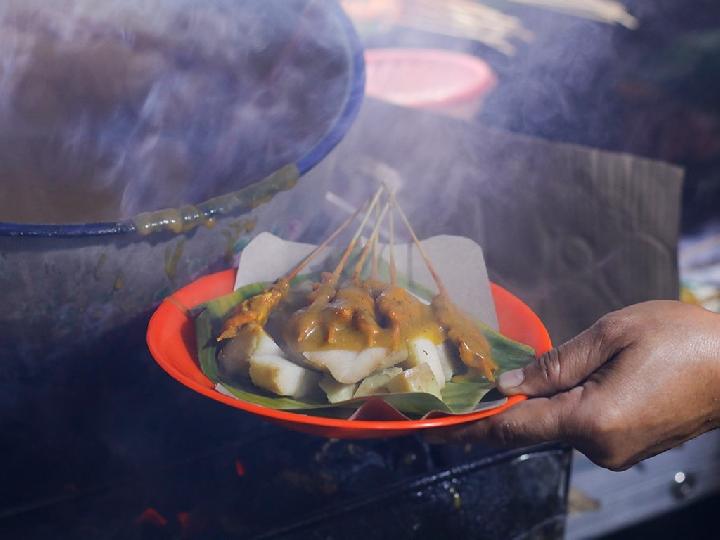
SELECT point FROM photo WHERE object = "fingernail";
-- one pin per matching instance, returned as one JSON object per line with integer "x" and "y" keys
{"x": 511, "y": 379}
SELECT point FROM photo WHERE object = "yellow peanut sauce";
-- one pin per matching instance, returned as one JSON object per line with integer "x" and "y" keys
{"x": 255, "y": 310}
{"x": 472, "y": 345}
{"x": 364, "y": 314}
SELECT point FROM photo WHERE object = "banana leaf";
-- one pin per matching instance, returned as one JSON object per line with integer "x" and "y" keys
{"x": 457, "y": 397}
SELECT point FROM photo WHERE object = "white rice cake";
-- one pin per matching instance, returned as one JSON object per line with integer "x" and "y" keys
{"x": 350, "y": 367}
{"x": 234, "y": 357}
{"x": 336, "y": 391}
{"x": 377, "y": 382}
{"x": 451, "y": 363}
{"x": 423, "y": 351}
{"x": 417, "y": 379}
{"x": 280, "y": 376}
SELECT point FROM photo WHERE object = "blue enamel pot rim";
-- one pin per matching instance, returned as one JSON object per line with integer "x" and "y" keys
{"x": 356, "y": 91}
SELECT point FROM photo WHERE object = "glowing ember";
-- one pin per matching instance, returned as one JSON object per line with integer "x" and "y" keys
{"x": 150, "y": 516}
{"x": 183, "y": 519}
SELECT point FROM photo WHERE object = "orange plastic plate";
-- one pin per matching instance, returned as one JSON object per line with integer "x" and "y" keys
{"x": 171, "y": 339}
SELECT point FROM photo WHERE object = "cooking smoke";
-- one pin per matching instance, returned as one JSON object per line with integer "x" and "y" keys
{"x": 113, "y": 108}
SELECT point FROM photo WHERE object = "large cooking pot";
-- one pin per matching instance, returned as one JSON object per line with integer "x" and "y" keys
{"x": 190, "y": 123}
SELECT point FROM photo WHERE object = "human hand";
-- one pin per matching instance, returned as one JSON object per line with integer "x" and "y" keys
{"x": 640, "y": 381}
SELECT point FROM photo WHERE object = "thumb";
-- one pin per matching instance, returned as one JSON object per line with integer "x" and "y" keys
{"x": 568, "y": 365}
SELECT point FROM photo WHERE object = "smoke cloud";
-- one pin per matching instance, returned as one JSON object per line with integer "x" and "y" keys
{"x": 113, "y": 108}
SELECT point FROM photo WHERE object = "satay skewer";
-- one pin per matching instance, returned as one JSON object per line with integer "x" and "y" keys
{"x": 353, "y": 242}
{"x": 428, "y": 263}
{"x": 374, "y": 262}
{"x": 360, "y": 265}
{"x": 257, "y": 308}
{"x": 306, "y": 320}
{"x": 474, "y": 348}
{"x": 327, "y": 288}
{"x": 393, "y": 266}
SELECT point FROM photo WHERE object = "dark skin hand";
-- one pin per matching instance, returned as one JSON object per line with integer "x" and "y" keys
{"x": 640, "y": 381}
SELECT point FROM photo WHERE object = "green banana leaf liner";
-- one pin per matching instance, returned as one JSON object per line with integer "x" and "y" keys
{"x": 457, "y": 397}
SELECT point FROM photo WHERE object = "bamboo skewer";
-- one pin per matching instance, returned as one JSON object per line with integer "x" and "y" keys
{"x": 468, "y": 19}
{"x": 302, "y": 264}
{"x": 393, "y": 266}
{"x": 257, "y": 308}
{"x": 368, "y": 246}
{"x": 324, "y": 293}
{"x": 374, "y": 264}
{"x": 436, "y": 278}
{"x": 474, "y": 349}
{"x": 606, "y": 11}
{"x": 348, "y": 250}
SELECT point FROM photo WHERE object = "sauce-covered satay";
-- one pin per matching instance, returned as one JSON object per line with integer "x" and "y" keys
{"x": 472, "y": 345}
{"x": 356, "y": 336}
{"x": 308, "y": 322}
{"x": 256, "y": 309}
{"x": 353, "y": 307}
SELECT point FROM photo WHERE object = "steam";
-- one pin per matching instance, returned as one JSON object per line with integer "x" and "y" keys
{"x": 547, "y": 88}
{"x": 140, "y": 105}
{"x": 113, "y": 108}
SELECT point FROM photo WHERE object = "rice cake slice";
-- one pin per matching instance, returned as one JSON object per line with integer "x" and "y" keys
{"x": 350, "y": 367}
{"x": 335, "y": 391}
{"x": 377, "y": 382}
{"x": 234, "y": 357}
{"x": 423, "y": 351}
{"x": 417, "y": 379}
{"x": 282, "y": 377}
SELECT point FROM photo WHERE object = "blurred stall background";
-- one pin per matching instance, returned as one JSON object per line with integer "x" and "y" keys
{"x": 113, "y": 448}
{"x": 632, "y": 76}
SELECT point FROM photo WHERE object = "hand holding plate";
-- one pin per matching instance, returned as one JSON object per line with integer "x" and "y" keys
{"x": 640, "y": 381}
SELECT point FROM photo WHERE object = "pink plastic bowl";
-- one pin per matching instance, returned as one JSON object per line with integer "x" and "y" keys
{"x": 444, "y": 81}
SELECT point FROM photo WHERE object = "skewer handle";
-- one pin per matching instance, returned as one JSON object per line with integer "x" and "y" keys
{"x": 302, "y": 264}
{"x": 438, "y": 282}
{"x": 348, "y": 250}
{"x": 371, "y": 242}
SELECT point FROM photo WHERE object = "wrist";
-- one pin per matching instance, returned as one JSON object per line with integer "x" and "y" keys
{"x": 710, "y": 372}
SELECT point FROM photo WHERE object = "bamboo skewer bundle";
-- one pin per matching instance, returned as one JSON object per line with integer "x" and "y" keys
{"x": 472, "y": 345}
{"x": 465, "y": 19}
{"x": 256, "y": 309}
{"x": 606, "y": 11}
{"x": 325, "y": 292}
{"x": 333, "y": 306}
{"x": 485, "y": 23}
{"x": 369, "y": 246}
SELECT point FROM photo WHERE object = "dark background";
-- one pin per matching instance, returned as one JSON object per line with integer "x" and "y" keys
{"x": 652, "y": 92}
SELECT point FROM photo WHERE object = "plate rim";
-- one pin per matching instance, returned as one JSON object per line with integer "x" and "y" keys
{"x": 176, "y": 307}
